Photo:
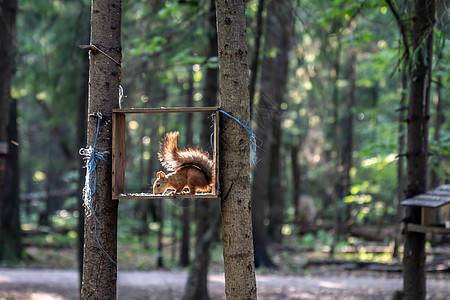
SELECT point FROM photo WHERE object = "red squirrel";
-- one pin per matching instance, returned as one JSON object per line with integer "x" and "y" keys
{"x": 191, "y": 168}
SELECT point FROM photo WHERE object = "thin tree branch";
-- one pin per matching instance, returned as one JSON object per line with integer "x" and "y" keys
{"x": 402, "y": 26}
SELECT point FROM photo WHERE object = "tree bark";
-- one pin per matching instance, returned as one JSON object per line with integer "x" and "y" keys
{"x": 414, "y": 286}
{"x": 8, "y": 242}
{"x": 100, "y": 240}
{"x": 240, "y": 282}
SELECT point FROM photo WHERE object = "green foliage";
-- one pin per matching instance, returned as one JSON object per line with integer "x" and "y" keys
{"x": 316, "y": 241}
{"x": 155, "y": 46}
{"x": 164, "y": 48}
{"x": 440, "y": 149}
{"x": 56, "y": 240}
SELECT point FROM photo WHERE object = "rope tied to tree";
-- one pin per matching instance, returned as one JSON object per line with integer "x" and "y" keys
{"x": 253, "y": 145}
{"x": 92, "y": 157}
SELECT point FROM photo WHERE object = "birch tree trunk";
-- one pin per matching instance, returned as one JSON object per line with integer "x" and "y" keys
{"x": 100, "y": 256}
{"x": 240, "y": 282}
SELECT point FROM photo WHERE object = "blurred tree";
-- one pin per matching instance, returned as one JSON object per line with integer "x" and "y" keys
{"x": 186, "y": 218}
{"x": 10, "y": 233}
{"x": 255, "y": 62}
{"x": 418, "y": 53}
{"x": 401, "y": 160}
{"x": 417, "y": 143}
{"x": 48, "y": 97}
{"x": 205, "y": 209}
{"x": 345, "y": 159}
{"x": 267, "y": 192}
{"x": 279, "y": 34}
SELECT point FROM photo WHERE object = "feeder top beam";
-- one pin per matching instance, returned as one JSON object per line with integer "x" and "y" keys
{"x": 165, "y": 110}
{"x": 433, "y": 198}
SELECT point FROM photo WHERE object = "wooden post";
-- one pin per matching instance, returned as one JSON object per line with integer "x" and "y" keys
{"x": 119, "y": 155}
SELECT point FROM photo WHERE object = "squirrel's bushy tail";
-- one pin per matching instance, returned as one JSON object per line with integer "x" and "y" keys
{"x": 172, "y": 159}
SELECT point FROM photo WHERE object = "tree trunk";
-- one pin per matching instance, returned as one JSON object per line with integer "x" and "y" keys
{"x": 260, "y": 196}
{"x": 277, "y": 206}
{"x": 417, "y": 151}
{"x": 161, "y": 212}
{"x": 185, "y": 236}
{"x": 254, "y": 66}
{"x": 8, "y": 10}
{"x": 205, "y": 209}
{"x": 100, "y": 240}
{"x": 344, "y": 164}
{"x": 336, "y": 132}
{"x": 196, "y": 287}
{"x": 11, "y": 233}
{"x": 266, "y": 186}
{"x": 346, "y": 156}
{"x": 296, "y": 169}
{"x": 400, "y": 163}
{"x": 279, "y": 33}
{"x": 240, "y": 282}
{"x": 260, "y": 192}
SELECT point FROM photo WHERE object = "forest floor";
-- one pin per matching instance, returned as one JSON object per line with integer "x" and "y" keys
{"x": 51, "y": 275}
{"x": 58, "y": 284}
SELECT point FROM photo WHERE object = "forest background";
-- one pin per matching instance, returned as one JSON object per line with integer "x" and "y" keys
{"x": 330, "y": 124}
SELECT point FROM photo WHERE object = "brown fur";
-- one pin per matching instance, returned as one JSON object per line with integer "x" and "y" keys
{"x": 192, "y": 168}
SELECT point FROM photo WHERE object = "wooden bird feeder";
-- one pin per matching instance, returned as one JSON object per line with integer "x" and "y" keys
{"x": 429, "y": 201}
{"x": 119, "y": 156}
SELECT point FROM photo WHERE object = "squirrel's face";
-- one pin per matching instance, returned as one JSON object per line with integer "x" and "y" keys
{"x": 160, "y": 185}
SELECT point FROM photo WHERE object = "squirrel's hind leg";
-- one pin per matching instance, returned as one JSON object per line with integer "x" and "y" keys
{"x": 192, "y": 190}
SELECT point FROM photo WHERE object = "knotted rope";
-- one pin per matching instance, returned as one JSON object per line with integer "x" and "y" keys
{"x": 92, "y": 157}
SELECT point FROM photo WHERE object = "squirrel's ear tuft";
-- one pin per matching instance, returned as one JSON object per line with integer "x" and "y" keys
{"x": 160, "y": 174}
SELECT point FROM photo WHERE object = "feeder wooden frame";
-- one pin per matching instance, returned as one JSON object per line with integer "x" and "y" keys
{"x": 429, "y": 201}
{"x": 119, "y": 157}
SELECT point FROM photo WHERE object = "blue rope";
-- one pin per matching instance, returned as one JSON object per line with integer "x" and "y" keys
{"x": 253, "y": 146}
{"x": 92, "y": 158}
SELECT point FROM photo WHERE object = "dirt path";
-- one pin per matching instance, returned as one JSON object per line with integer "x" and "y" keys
{"x": 62, "y": 284}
